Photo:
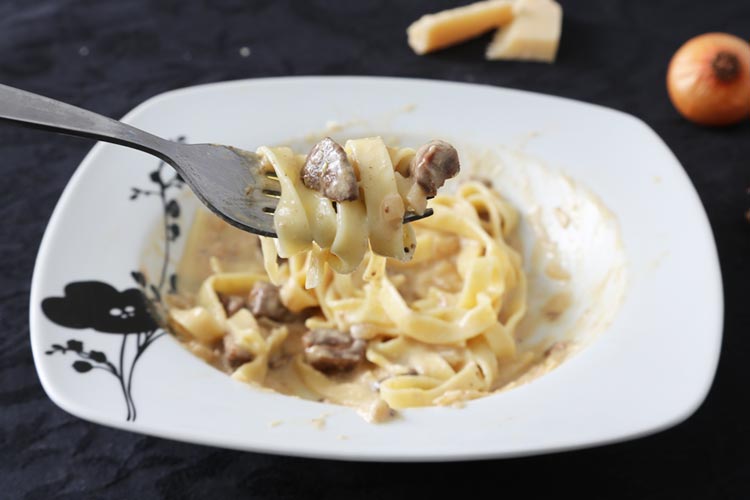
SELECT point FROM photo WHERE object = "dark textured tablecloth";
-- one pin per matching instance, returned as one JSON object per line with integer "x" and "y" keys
{"x": 111, "y": 55}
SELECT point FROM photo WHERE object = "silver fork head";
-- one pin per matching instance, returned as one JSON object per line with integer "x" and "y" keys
{"x": 231, "y": 183}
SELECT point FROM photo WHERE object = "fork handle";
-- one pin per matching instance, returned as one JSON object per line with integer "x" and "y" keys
{"x": 32, "y": 110}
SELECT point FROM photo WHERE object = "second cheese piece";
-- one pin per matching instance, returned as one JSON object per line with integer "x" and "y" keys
{"x": 533, "y": 35}
{"x": 436, "y": 31}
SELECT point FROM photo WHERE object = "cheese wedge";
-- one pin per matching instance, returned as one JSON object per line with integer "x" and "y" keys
{"x": 533, "y": 35}
{"x": 449, "y": 27}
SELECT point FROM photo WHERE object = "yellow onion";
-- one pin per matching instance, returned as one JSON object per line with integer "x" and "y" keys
{"x": 709, "y": 79}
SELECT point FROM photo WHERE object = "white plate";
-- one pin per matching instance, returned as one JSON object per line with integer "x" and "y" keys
{"x": 649, "y": 369}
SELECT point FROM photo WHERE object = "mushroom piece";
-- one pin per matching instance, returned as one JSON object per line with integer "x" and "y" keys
{"x": 232, "y": 303}
{"x": 332, "y": 351}
{"x": 234, "y": 354}
{"x": 432, "y": 164}
{"x": 264, "y": 301}
{"x": 327, "y": 169}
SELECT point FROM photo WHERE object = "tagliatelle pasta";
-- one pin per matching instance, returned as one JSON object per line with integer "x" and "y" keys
{"x": 306, "y": 220}
{"x": 423, "y": 315}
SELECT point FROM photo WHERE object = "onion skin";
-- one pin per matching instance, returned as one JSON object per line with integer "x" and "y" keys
{"x": 708, "y": 79}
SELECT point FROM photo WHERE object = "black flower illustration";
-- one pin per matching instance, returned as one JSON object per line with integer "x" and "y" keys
{"x": 101, "y": 307}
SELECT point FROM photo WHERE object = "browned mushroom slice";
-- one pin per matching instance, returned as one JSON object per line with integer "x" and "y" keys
{"x": 234, "y": 354}
{"x": 232, "y": 303}
{"x": 332, "y": 351}
{"x": 432, "y": 164}
{"x": 264, "y": 301}
{"x": 327, "y": 169}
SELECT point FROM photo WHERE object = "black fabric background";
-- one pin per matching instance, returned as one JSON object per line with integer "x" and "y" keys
{"x": 613, "y": 52}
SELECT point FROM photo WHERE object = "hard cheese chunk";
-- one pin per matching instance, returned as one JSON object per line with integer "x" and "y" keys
{"x": 533, "y": 35}
{"x": 437, "y": 31}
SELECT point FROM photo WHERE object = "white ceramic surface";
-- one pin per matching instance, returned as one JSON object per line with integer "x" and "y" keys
{"x": 649, "y": 368}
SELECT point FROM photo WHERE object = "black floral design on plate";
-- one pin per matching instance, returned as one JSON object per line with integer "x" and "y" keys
{"x": 165, "y": 184}
{"x": 101, "y": 307}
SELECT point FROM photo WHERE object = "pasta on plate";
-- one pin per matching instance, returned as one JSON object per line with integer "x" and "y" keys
{"x": 349, "y": 305}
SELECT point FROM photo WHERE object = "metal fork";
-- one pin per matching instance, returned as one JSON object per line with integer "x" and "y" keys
{"x": 229, "y": 181}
